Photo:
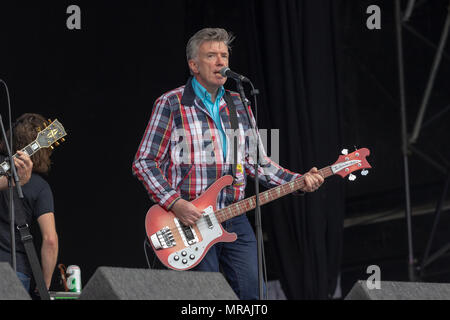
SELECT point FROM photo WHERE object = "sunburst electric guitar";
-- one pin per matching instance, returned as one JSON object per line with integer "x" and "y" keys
{"x": 181, "y": 247}
{"x": 46, "y": 138}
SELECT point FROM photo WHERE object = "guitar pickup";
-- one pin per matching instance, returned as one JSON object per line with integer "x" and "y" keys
{"x": 187, "y": 233}
{"x": 208, "y": 221}
{"x": 206, "y": 214}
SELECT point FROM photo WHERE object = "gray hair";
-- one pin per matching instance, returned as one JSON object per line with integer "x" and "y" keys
{"x": 204, "y": 35}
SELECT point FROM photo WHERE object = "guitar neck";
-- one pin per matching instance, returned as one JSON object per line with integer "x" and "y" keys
{"x": 30, "y": 149}
{"x": 248, "y": 204}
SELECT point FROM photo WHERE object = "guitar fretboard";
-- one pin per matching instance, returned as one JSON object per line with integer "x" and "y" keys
{"x": 30, "y": 149}
{"x": 272, "y": 194}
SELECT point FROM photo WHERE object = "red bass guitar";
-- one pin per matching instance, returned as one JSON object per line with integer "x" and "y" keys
{"x": 181, "y": 247}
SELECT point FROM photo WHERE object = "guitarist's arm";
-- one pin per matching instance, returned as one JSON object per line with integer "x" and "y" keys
{"x": 24, "y": 166}
{"x": 153, "y": 151}
{"x": 49, "y": 247}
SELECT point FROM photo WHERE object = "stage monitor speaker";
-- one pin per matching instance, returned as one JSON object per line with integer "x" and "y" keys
{"x": 391, "y": 290}
{"x": 11, "y": 288}
{"x": 111, "y": 283}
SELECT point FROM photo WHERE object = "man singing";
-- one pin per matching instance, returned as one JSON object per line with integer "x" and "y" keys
{"x": 198, "y": 115}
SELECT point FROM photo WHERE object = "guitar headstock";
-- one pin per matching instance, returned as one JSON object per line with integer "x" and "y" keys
{"x": 53, "y": 132}
{"x": 348, "y": 163}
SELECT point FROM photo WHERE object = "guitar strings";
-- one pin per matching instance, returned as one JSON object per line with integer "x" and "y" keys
{"x": 247, "y": 204}
{"x": 242, "y": 206}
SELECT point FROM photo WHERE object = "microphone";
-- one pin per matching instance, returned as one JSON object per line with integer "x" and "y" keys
{"x": 226, "y": 72}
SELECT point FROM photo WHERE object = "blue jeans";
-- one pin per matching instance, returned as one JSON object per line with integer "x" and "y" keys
{"x": 25, "y": 280}
{"x": 238, "y": 260}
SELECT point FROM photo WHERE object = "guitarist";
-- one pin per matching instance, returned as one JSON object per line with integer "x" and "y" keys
{"x": 38, "y": 201}
{"x": 196, "y": 117}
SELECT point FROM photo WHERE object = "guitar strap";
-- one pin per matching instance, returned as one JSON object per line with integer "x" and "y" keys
{"x": 235, "y": 126}
{"x": 27, "y": 240}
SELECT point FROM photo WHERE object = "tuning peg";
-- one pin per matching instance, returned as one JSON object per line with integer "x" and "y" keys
{"x": 365, "y": 172}
{"x": 352, "y": 177}
{"x": 49, "y": 121}
{"x": 62, "y": 140}
{"x": 344, "y": 151}
{"x": 52, "y": 147}
{"x": 56, "y": 143}
{"x": 45, "y": 124}
{"x": 38, "y": 129}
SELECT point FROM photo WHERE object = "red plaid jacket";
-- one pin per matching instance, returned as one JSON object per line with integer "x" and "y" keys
{"x": 181, "y": 155}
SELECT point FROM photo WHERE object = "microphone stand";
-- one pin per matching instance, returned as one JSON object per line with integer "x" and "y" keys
{"x": 12, "y": 176}
{"x": 258, "y": 226}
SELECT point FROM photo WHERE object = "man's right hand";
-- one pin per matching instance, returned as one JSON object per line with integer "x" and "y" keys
{"x": 186, "y": 212}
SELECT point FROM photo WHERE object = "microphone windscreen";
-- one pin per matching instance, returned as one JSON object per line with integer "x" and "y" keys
{"x": 223, "y": 71}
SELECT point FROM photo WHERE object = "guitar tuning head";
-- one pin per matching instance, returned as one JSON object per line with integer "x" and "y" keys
{"x": 352, "y": 177}
{"x": 38, "y": 129}
{"x": 52, "y": 147}
{"x": 49, "y": 121}
{"x": 365, "y": 172}
{"x": 56, "y": 143}
{"x": 344, "y": 151}
{"x": 62, "y": 140}
{"x": 45, "y": 124}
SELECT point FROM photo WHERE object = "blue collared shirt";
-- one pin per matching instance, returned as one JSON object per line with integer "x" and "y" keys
{"x": 213, "y": 108}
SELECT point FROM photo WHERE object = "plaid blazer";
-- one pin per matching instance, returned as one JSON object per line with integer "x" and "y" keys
{"x": 181, "y": 154}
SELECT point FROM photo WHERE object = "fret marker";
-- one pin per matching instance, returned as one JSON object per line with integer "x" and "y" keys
{"x": 34, "y": 146}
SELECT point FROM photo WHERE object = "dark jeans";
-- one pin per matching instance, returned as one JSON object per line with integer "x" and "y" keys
{"x": 238, "y": 260}
{"x": 25, "y": 280}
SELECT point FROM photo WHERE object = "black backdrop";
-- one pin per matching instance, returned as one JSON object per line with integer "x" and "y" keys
{"x": 101, "y": 82}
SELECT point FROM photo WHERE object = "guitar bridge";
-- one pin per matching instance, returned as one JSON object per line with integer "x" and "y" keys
{"x": 163, "y": 239}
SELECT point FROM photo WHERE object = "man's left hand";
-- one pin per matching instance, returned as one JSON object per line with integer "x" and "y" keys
{"x": 313, "y": 180}
{"x": 24, "y": 167}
